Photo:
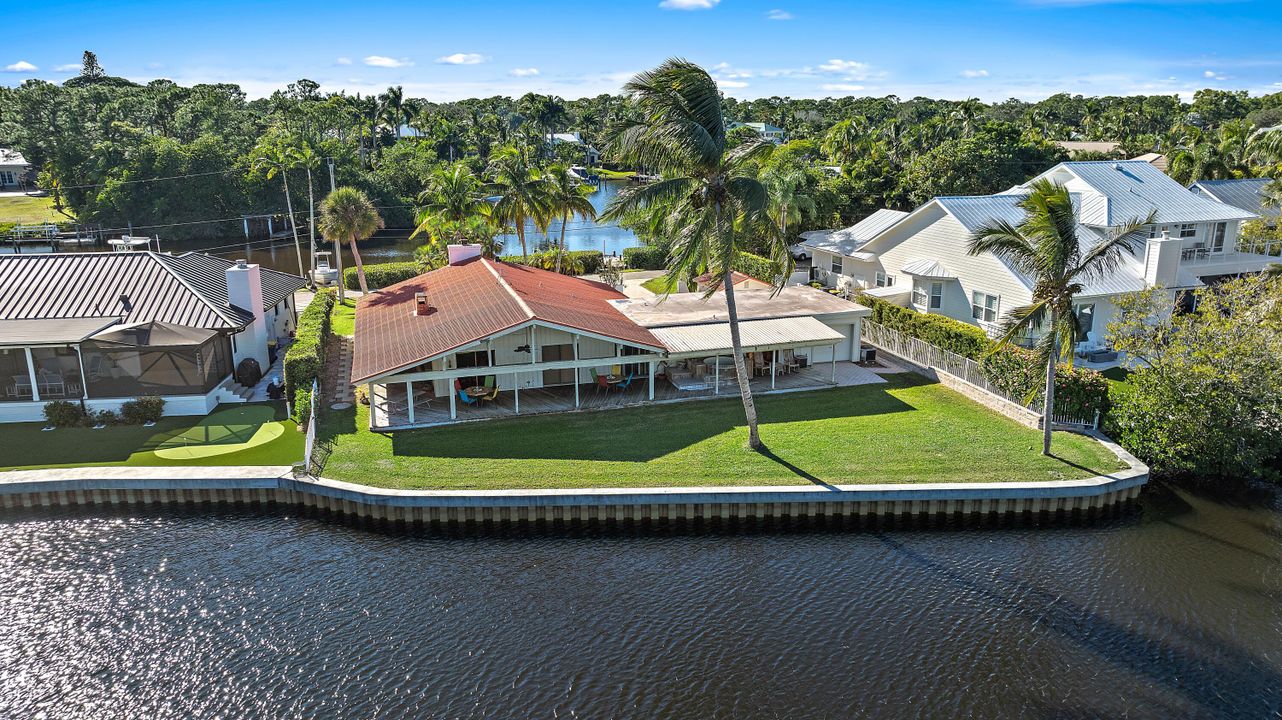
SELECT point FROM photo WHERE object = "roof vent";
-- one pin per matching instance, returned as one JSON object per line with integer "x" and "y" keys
{"x": 1117, "y": 167}
{"x": 242, "y": 263}
{"x": 421, "y": 306}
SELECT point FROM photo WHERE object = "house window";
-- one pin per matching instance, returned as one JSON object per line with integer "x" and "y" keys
{"x": 836, "y": 264}
{"x": 478, "y": 358}
{"x": 884, "y": 280}
{"x": 6, "y": 178}
{"x": 1188, "y": 230}
{"x": 983, "y": 307}
{"x": 929, "y": 295}
{"x": 1085, "y": 320}
{"x": 1217, "y": 237}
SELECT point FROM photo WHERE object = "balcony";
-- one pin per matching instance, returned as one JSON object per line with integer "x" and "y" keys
{"x": 1248, "y": 256}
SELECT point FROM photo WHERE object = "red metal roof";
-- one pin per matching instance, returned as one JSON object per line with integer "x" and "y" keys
{"x": 476, "y": 299}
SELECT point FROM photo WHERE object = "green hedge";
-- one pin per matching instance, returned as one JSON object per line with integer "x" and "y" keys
{"x": 592, "y": 260}
{"x": 646, "y": 257}
{"x": 758, "y": 267}
{"x": 938, "y": 330}
{"x": 305, "y": 358}
{"x": 380, "y": 275}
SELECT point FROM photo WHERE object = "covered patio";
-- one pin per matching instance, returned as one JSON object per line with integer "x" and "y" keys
{"x": 390, "y": 406}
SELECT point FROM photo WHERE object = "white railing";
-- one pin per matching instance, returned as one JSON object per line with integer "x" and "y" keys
{"x": 920, "y": 352}
{"x": 1260, "y": 247}
{"x": 309, "y": 446}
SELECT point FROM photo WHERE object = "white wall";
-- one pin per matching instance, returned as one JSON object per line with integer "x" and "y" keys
{"x": 174, "y": 405}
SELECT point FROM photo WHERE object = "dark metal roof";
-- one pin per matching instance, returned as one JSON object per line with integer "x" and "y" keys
{"x": 52, "y": 332}
{"x": 154, "y": 334}
{"x": 177, "y": 289}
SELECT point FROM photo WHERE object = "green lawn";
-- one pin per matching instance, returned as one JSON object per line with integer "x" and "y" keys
{"x": 659, "y": 285}
{"x": 249, "y": 434}
{"x": 1116, "y": 374}
{"x": 613, "y": 174}
{"x": 342, "y": 319}
{"x": 906, "y": 431}
{"x": 29, "y": 210}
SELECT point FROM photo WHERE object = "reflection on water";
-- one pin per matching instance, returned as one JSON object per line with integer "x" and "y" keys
{"x": 394, "y": 245}
{"x": 1171, "y": 611}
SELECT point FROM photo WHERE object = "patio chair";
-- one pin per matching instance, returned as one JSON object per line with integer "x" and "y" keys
{"x": 467, "y": 399}
{"x": 493, "y": 394}
{"x": 626, "y": 382}
{"x": 601, "y": 384}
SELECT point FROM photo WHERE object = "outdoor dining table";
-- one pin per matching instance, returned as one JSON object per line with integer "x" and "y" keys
{"x": 613, "y": 379}
{"x": 477, "y": 391}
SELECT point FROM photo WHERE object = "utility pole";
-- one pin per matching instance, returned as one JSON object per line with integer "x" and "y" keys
{"x": 311, "y": 218}
{"x": 338, "y": 252}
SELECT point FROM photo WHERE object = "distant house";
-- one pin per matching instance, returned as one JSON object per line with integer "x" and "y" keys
{"x": 15, "y": 171}
{"x": 921, "y": 260}
{"x": 1157, "y": 160}
{"x": 103, "y": 328}
{"x": 1245, "y": 193}
{"x": 1076, "y": 147}
{"x": 740, "y": 281}
{"x": 766, "y": 130}
{"x": 591, "y": 156}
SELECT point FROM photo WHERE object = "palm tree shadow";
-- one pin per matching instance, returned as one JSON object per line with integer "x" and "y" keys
{"x": 770, "y": 455}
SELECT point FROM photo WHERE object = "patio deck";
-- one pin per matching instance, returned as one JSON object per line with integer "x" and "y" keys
{"x": 390, "y": 411}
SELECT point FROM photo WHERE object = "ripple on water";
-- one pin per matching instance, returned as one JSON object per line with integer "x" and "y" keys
{"x": 1172, "y": 612}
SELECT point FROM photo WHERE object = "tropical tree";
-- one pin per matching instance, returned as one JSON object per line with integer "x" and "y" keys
{"x": 566, "y": 197}
{"x": 710, "y": 196}
{"x": 348, "y": 213}
{"x": 521, "y": 194}
{"x": 394, "y": 111}
{"x": 451, "y": 200}
{"x": 274, "y": 156}
{"x": 1045, "y": 247}
{"x": 789, "y": 200}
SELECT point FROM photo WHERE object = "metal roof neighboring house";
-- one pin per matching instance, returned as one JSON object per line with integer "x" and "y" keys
{"x": 136, "y": 287}
{"x": 1157, "y": 160}
{"x": 793, "y": 301}
{"x": 847, "y": 241}
{"x": 1135, "y": 188}
{"x": 475, "y": 299}
{"x": 1244, "y": 193}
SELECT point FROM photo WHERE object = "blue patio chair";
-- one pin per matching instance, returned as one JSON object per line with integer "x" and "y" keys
{"x": 467, "y": 399}
{"x": 626, "y": 382}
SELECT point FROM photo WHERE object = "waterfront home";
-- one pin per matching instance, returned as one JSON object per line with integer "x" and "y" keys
{"x": 773, "y": 133}
{"x": 103, "y": 328}
{"x": 590, "y": 154}
{"x": 922, "y": 261}
{"x": 485, "y": 338}
{"x": 14, "y": 170}
{"x": 1245, "y": 193}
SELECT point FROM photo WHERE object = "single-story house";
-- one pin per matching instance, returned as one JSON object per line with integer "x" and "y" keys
{"x": 102, "y": 328}
{"x": 14, "y": 170}
{"x": 483, "y": 338}
{"x": 1244, "y": 193}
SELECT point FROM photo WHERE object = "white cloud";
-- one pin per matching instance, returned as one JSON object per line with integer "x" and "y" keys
{"x": 462, "y": 59}
{"x": 973, "y": 73}
{"x": 387, "y": 62}
{"x": 778, "y": 14}
{"x": 21, "y": 66}
{"x": 732, "y": 84}
{"x": 343, "y": 61}
{"x": 852, "y": 69}
{"x": 524, "y": 72}
{"x": 1212, "y": 75}
{"x": 688, "y": 4}
{"x": 841, "y": 87}
{"x": 67, "y": 67}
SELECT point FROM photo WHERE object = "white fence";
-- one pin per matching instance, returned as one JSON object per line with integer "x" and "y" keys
{"x": 309, "y": 446}
{"x": 920, "y": 352}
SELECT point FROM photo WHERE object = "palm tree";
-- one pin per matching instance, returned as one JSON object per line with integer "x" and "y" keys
{"x": 711, "y": 196}
{"x": 965, "y": 116}
{"x": 393, "y": 110}
{"x": 567, "y": 197}
{"x": 1196, "y": 156}
{"x": 789, "y": 200}
{"x": 452, "y": 196}
{"x": 275, "y": 157}
{"x": 1045, "y": 247}
{"x": 521, "y": 192}
{"x": 348, "y": 213}
{"x": 847, "y": 141}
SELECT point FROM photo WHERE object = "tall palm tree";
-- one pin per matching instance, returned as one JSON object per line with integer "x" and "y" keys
{"x": 566, "y": 198}
{"x": 347, "y": 213}
{"x": 847, "y": 141}
{"x": 393, "y": 109}
{"x": 521, "y": 192}
{"x": 453, "y": 195}
{"x": 1045, "y": 246}
{"x": 276, "y": 158}
{"x": 965, "y": 116}
{"x": 789, "y": 200}
{"x": 711, "y": 195}
{"x": 1196, "y": 156}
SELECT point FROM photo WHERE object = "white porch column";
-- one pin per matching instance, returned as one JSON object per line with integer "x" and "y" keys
{"x": 716, "y": 375}
{"x": 409, "y": 394}
{"x": 774, "y": 354}
{"x": 651, "y": 379}
{"x": 84, "y": 379}
{"x": 31, "y": 373}
{"x": 834, "y": 364}
{"x": 369, "y": 390}
{"x": 269, "y": 229}
{"x": 575, "y": 343}
{"x": 453, "y": 400}
{"x": 245, "y": 220}
{"x": 516, "y": 395}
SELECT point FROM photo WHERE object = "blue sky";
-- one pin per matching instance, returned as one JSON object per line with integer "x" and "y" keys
{"x": 991, "y": 49}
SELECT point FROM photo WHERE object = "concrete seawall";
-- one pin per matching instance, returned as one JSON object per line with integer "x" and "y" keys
{"x": 275, "y": 487}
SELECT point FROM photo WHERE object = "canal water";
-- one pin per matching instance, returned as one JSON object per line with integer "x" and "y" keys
{"x": 1171, "y": 610}
{"x": 395, "y": 245}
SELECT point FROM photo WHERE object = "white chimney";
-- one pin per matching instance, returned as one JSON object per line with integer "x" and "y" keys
{"x": 459, "y": 253}
{"x": 245, "y": 292}
{"x": 1162, "y": 260}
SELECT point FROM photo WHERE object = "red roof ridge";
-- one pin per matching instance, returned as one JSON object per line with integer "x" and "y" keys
{"x": 506, "y": 286}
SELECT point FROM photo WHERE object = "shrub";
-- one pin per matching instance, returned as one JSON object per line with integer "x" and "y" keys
{"x": 142, "y": 410}
{"x": 62, "y": 413}
{"x": 1021, "y": 374}
{"x": 646, "y": 257}
{"x": 938, "y": 330}
{"x": 380, "y": 275}
{"x": 105, "y": 417}
{"x": 758, "y": 267}
{"x": 306, "y": 357}
{"x": 591, "y": 260}
{"x": 303, "y": 405}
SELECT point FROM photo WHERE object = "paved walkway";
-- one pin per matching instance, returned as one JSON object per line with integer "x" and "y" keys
{"x": 337, "y": 386}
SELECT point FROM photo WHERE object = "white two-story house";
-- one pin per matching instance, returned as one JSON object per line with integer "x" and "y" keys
{"x": 921, "y": 260}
